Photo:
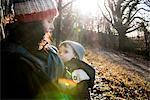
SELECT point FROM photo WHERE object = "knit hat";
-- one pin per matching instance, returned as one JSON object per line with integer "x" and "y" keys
{"x": 77, "y": 47}
{"x": 34, "y": 10}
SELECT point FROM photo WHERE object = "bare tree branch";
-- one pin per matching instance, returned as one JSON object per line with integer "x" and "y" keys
{"x": 131, "y": 9}
{"x": 110, "y": 21}
{"x": 114, "y": 3}
{"x": 124, "y": 7}
{"x": 135, "y": 14}
{"x": 124, "y": 19}
{"x": 147, "y": 3}
{"x": 68, "y": 4}
{"x": 1, "y": 22}
{"x": 110, "y": 6}
{"x": 130, "y": 27}
{"x": 108, "y": 12}
{"x": 119, "y": 5}
{"x": 133, "y": 29}
{"x": 138, "y": 10}
{"x": 138, "y": 18}
{"x": 118, "y": 8}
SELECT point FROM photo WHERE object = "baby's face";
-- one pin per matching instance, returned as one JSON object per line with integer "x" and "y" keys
{"x": 66, "y": 52}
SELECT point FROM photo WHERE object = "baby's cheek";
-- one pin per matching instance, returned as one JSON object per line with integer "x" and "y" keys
{"x": 63, "y": 58}
{"x": 68, "y": 58}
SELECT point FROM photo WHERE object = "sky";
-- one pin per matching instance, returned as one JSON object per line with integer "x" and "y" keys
{"x": 87, "y": 7}
{"x": 90, "y": 8}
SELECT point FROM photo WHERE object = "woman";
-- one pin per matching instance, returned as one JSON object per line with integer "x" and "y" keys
{"x": 24, "y": 60}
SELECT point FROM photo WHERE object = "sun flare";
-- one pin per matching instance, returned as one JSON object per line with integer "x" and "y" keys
{"x": 88, "y": 6}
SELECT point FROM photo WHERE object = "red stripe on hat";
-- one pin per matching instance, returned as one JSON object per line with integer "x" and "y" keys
{"x": 37, "y": 16}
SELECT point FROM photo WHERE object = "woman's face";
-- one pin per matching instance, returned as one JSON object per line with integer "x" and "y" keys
{"x": 48, "y": 28}
{"x": 48, "y": 24}
{"x": 66, "y": 52}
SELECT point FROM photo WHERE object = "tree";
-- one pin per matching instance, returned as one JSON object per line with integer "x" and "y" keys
{"x": 147, "y": 40}
{"x": 58, "y": 28}
{"x": 6, "y": 16}
{"x": 122, "y": 14}
{"x": 2, "y": 35}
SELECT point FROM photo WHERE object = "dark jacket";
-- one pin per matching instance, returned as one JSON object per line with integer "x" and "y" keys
{"x": 24, "y": 74}
{"x": 81, "y": 91}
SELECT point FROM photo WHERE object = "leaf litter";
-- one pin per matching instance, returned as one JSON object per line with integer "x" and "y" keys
{"x": 114, "y": 80}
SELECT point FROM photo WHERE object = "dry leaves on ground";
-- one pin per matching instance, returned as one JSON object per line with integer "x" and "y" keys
{"x": 114, "y": 81}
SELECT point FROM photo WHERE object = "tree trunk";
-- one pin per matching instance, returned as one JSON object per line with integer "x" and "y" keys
{"x": 147, "y": 40}
{"x": 122, "y": 40}
{"x": 58, "y": 28}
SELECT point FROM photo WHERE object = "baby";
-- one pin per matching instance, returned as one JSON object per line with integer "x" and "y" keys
{"x": 79, "y": 72}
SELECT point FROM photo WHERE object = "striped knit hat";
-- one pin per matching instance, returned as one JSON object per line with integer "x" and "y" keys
{"x": 34, "y": 10}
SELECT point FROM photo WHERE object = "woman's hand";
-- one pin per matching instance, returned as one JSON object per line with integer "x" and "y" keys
{"x": 46, "y": 40}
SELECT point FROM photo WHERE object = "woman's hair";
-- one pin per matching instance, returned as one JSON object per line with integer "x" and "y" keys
{"x": 28, "y": 34}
